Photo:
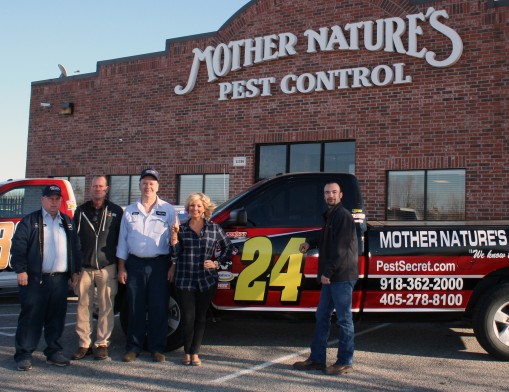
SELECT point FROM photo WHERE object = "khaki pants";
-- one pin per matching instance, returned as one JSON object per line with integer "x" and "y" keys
{"x": 107, "y": 285}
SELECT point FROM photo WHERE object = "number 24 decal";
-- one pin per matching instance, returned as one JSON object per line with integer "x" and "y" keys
{"x": 258, "y": 250}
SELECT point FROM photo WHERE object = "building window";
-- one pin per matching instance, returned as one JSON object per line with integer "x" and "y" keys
{"x": 426, "y": 195}
{"x": 274, "y": 159}
{"x": 215, "y": 186}
{"x": 124, "y": 190}
{"x": 498, "y": 3}
{"x": 78, "y": 186}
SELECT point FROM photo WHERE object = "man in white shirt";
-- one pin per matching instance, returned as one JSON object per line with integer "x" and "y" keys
{"x": 143, "y": 264}
{"x": 45, "y": 254}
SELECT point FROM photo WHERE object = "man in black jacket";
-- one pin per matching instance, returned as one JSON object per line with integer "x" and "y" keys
{"x": 45, "y": 254}
{"x": 98, "y": 225}
{"x": 337, "y": 272}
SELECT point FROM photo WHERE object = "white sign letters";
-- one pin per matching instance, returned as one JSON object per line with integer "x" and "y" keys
{"x": 386, "y": 35}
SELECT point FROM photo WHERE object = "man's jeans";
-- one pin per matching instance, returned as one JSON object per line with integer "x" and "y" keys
{"x": 337, "y": 295}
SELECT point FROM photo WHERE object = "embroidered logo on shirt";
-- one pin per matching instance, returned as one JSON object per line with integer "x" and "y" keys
{"x": 135, "y": 213}
{"x": 163, "y": 213}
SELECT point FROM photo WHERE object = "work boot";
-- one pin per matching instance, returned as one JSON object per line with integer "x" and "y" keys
{"x": 101, "y": 352}
{"x": 129, "y": 356}
{"x": 338, "y": 369}
{"x": 158, "y": 357}
{"x": 308, "y": 364}
{"x": 81, "y": 352}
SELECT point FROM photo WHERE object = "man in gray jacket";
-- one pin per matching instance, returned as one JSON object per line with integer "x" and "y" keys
{"x": 337, "y": 272}
{"x": 98, "y": 225}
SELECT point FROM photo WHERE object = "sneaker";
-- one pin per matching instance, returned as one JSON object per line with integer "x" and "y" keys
{"x": 81, "y": 352}
{"x": 58, "y": 359}
{"x": 24, "y": 365}
{"x": 308, "y": 364}
{"x": 158, "y": 357}
{"x": 338, "y": 369}
{"x": 101, "y": 352}
{"x": 129, "y": 356}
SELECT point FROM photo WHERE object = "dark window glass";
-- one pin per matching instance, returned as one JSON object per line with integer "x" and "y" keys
{"x": 119, "y": 190}
{"x": 339, "y": 157}
{"x": 272, "y": 160}
{"x": 446, "y": 195}
{"x": 287, "y": 205}
{"x": 78, "y": 186}
{"x": 426, "y": 195}
{"x": 215, "y": 186}
{"x": 304, "y": 157}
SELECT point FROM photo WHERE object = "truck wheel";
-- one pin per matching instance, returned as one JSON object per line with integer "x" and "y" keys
{"x": 491, "y": 322}
{"x": 175, "y": 339}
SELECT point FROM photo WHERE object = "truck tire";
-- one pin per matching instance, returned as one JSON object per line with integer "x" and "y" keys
{"x": 491, "y": 322}
{"x": 175, "y": 338}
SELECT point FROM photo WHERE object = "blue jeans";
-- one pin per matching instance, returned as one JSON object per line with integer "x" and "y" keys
{"x": 147, "y": 297}
{"x": 337, "y": 295}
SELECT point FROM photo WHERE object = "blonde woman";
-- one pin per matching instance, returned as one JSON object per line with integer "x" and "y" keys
{"x": 193, "y": 247}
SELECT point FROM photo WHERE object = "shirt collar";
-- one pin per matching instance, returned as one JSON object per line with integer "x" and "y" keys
{"x": 46, "y": 214}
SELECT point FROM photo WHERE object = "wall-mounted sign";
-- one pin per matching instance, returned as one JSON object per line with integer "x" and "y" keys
{"x": 239, "y": 161}
{"x": 389, "y": 35}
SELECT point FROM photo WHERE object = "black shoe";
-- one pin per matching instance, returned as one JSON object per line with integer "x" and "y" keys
{"x": 58, "y": 359}
{"x": 81, "y": 352}
{"x": 24, "y": 365}
{"x": 308, "y": 364}
{"x": 338, "y": 369}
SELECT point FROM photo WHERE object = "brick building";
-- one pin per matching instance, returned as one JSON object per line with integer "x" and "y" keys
{"x": 410, "y": 95}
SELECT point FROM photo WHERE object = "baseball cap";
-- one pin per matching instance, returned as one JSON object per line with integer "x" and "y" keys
{"x": 150, "y": 172}
{"x": 52, "y": 190}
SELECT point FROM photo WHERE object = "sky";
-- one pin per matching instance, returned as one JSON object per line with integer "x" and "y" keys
{"x": 36, "y": 36}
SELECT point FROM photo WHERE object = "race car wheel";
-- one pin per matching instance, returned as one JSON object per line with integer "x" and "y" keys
{"x": 491, "y": 322}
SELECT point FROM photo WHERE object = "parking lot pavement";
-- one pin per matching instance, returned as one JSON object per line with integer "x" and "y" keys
{"x": 254, "y": 352}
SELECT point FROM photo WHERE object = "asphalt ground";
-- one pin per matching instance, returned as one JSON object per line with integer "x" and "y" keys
{"x": 254, "y": 352}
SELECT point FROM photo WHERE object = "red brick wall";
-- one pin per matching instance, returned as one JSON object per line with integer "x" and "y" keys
{"x": 127, "y": 116}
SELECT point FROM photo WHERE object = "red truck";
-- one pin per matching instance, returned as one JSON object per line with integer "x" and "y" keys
{"x": 17, "y": 199}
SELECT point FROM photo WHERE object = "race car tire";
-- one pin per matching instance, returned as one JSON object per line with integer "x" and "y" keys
{"x": 491, "y": 322}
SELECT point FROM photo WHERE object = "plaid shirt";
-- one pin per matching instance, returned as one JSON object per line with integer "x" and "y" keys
{"x": 192, "y": 250}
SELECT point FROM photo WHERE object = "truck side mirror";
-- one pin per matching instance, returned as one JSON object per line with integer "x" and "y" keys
{"x": 242, "y": 217}
{"x": 237, "y": 218}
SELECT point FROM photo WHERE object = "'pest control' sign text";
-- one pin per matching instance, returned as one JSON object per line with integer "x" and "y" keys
{"x": 386, "y": 35}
